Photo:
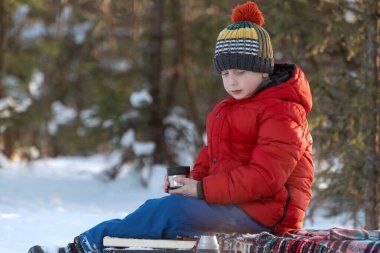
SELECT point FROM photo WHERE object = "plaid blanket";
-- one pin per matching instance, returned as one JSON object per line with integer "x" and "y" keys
{"x": 335, "y": 240}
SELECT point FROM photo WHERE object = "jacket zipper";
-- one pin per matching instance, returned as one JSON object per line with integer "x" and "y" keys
{"x": 285, "y": 209}
{"x": 217, "y": 116}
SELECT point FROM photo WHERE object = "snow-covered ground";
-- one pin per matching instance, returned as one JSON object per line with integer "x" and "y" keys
{"x": 50, "y": 201}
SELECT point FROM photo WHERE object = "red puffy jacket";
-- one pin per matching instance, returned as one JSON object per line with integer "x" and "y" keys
{"x": 259, "y": 152}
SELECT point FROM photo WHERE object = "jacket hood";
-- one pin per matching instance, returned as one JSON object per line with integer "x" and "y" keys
{"x": 287, "y": 82}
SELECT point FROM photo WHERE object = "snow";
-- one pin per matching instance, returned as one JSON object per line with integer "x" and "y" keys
{"x": 143, "y": 148}
{"x": 140, "y": 148}
{"x": 33, "y": 31}
{"x": 128, "y": 138}
{"x": 62, "y": 115}
{"x": 350, "y": 17}
{"x": 10, "y": 104}
{"x": 20, "y": 14}
{"x": 116, "y": 65}
{"x": 80, "y": 31}
{"x": 88, "y": 117}
{"x": 4, "y": 103}
{"x": 132, "y": 114}
{"x": 322, "y": 222}
{"x": 65, "y": 14}
{"x": 180, "y": 135}
{"x": 50, "y": 201}
{"x": 35, "y": 85}
{"x": 11, "y": 81}
{"x": 139, "y": 98}
{"x": 61, "y": 26}
{"x": 204, "y": 138}
{"x": 107, "y": 123}
{"x": 14, "y": 88}
{"x": 353, "y": 74}
{"x": 120, "y": 65}
{"x": 22, "y": 106}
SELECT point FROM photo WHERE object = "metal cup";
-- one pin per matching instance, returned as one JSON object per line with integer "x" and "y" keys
{"x": 177, "y": 172}
{"x": 208, "y": 244}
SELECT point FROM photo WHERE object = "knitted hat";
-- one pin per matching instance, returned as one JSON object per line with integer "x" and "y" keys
{"x": 244, "y": 44}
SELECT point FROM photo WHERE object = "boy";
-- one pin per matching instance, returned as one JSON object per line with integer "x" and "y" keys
{"x": 255, "y": 174}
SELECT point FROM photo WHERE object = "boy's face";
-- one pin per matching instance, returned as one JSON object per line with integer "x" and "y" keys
{"x": 241, "y": 83}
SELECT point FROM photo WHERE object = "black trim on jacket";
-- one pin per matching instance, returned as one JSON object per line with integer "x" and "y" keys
{"x": 285, "y": 209}
{"x": 281, "y": 74}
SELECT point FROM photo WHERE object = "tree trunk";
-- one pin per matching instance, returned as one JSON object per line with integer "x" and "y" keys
{"x": 2, "y": 46}
{"x": 8, "y": 135}
{"x": 183, "y": 66}
{"x": 372, "y": 68}
{"x": 154, "y": 68}
{"x": 175, "y": 8}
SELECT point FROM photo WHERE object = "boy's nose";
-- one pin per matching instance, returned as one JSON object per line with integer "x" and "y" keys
{"x": 232, "y": 81}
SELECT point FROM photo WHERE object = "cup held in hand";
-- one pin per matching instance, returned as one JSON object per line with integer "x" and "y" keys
{"x": 177, "y": 172}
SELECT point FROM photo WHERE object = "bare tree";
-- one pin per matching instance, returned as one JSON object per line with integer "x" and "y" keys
{"x": 8, "y": 135}
{"x": 154, "y": 79}
{"x": 2, "y": 45}
{"x": 372, "y": 67}
{"x": 189, "y": 81}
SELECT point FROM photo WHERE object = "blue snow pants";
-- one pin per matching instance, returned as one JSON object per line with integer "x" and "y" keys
{"x": 171, "y": 216}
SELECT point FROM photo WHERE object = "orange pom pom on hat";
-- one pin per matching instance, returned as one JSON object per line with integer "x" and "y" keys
{"x": 245, "y": 44}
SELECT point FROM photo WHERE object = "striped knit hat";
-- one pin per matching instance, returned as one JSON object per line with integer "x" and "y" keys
{"x": 244, "y": 44}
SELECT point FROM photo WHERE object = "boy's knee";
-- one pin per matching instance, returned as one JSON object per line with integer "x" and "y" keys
{"x": 176, "y": 203}
{"x": 172, "y": 203}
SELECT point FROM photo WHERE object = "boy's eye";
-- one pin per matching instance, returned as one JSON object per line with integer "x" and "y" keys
{"x": 241, "y": 71}
{"x": 224, "y": 73}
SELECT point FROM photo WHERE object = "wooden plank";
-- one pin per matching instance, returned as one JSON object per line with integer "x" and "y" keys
{"x": 148, "y": 243}
{"x": 126, "y": 250}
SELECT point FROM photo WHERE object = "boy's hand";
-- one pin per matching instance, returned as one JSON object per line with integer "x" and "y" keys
{"x": 166, "y": 184}
{"x": 188, "y": 189}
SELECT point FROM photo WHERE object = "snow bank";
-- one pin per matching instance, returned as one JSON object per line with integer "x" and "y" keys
{"x": 50, "y": 201}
